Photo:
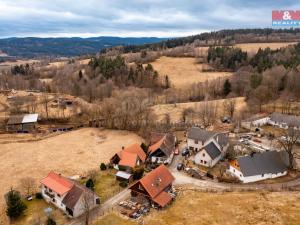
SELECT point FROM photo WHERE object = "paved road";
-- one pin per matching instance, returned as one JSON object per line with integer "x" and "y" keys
{"x": 95, "y": 213}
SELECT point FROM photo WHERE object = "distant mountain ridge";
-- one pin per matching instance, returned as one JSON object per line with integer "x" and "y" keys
{"x": 31, "y": 47}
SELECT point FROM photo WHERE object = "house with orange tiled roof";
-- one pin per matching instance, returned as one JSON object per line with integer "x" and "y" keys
{"x": 161, "y": 149}
{"x": 155, "y": 186}
{"x": 67, "y": 195}
{"x": 128, "y": 158}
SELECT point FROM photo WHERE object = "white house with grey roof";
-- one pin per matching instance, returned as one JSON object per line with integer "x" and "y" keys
{"x": 209, "y": 146}
{"x": 260, "y": 166}
{"x": 284, "y": 121}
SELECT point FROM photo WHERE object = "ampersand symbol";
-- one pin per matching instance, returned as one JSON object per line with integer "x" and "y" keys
{"x": 286, "y": 15}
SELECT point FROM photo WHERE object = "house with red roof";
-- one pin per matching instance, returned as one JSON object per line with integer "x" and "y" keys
{"x": 68, "y": 195}
{"x": 156, "y": 186}
{"x": 128, "y": 158}
{"x": 161, "y": 149}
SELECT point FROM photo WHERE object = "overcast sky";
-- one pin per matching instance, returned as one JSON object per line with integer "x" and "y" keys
{"x": 163, "y": 18}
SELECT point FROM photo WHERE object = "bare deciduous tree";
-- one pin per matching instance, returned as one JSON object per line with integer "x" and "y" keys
{"x": 45, "y": 101}
{"x": 28, "y": 184}
{"x": 288, "y": 141}
{"x": 229, "y": 107}
{"x": 92, "y": 174}
{"x": 87, "y": 204}
{"x": 207, "y": 113}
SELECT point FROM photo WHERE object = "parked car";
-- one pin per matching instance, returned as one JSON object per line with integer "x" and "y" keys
{"x": 180, "y": 166}
{"x": 185, "y": 151}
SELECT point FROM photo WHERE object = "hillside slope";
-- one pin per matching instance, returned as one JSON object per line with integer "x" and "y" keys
{"x": 35, "y": 47}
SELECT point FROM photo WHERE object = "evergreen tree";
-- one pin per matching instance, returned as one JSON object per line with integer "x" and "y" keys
{"x": 226, "y": 87}
{"x": 15, "y": 205}
{"x": 50, "y": 221}
{"x": 80, "y": 74}
{"x": 167, "y": 82}
{"x": 90, "y": 184}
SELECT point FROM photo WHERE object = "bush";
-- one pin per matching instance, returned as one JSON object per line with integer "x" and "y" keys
{"x": 38, "y": 195}
{"x": 138, "y": 172}
{"x": 144, "y": 147}
{"x": 123, "y": 184}
{"x": 15, "y": 206}
{"x": 90, "y": 184}
{"x": 50, "y": 221}
{"x": 103, "y": 166}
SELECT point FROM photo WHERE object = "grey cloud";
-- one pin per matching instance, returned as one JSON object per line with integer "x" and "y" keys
{"x": 141, "y": 17}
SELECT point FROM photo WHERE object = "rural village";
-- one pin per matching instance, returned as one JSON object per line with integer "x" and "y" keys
{"x": 135, "y": 136}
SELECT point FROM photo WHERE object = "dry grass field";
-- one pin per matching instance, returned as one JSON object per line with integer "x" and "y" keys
{"x": 8, "y": 65}
{"x": 175, "y": 110}
{"x": 253, "y": 47}
{"x": 184, "y": 71}
{"x": 230, "y": 208}
{"x": 197, "y": 208}
{"x": 70, "y": 153}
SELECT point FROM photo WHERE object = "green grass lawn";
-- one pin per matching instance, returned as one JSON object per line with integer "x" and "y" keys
{"x": 106, "y": 184}
{"x": 35, "y": 213}
{"x": 113, "y": 219}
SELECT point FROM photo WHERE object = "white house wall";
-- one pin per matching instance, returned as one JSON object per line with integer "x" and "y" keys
{"x": 254, "y": 178}
{"x": 58, "y": 200}
{"x": 210, "y": 163}
{"x": 191, "y": 143}
{"x": 79, "y": 208}
{"x": 260, "y": 122}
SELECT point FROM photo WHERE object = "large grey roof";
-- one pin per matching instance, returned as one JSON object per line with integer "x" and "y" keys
{"x": 212, "y": 150}
{"x": 263, "y": 163}
{"x": 199, "y": 134}
{"x": 74, "y": 195}
{"x": 222, "y": 139}
{"x": 290, "y": 120}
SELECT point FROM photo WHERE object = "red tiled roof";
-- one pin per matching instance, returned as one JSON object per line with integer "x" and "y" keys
{"x": 166, "y": 144}
{"x": 157, "y": 145}
{"x": 128, "y": 159}
{"x": 57, "y": 183}
{"x": 163, "y": 199}
{"x": 136, "y": 148}
{"x": 157, "y": 180}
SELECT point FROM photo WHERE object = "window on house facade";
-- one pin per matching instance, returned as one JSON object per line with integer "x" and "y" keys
{"x": 50, "y": 190}
{"x": 191, "y": 148}
{"x": 234, "y": 170}
{"x": 203, "y": 154}
{"x": 205, "y": 162}
{"x": 201, "y": 161}
{"x": 58, "y": 195}
{"x": 196, "y": 141}
{"x": 262, "y": 175}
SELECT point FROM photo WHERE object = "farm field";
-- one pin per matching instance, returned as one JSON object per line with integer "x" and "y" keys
{"x": 231, "y": 208}
{"x": 175, "y": 110}
{"x": 253, "y": 47}
{"x": 8, "y": 65}
{"x": 192, "y": 208}
{"x": 184, "y": 71}
{"x": 72, "y": 153}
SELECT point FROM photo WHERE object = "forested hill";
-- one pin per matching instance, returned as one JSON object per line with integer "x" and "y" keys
{"x": 224, "y": 37}
{"x": 37, "y": 47}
